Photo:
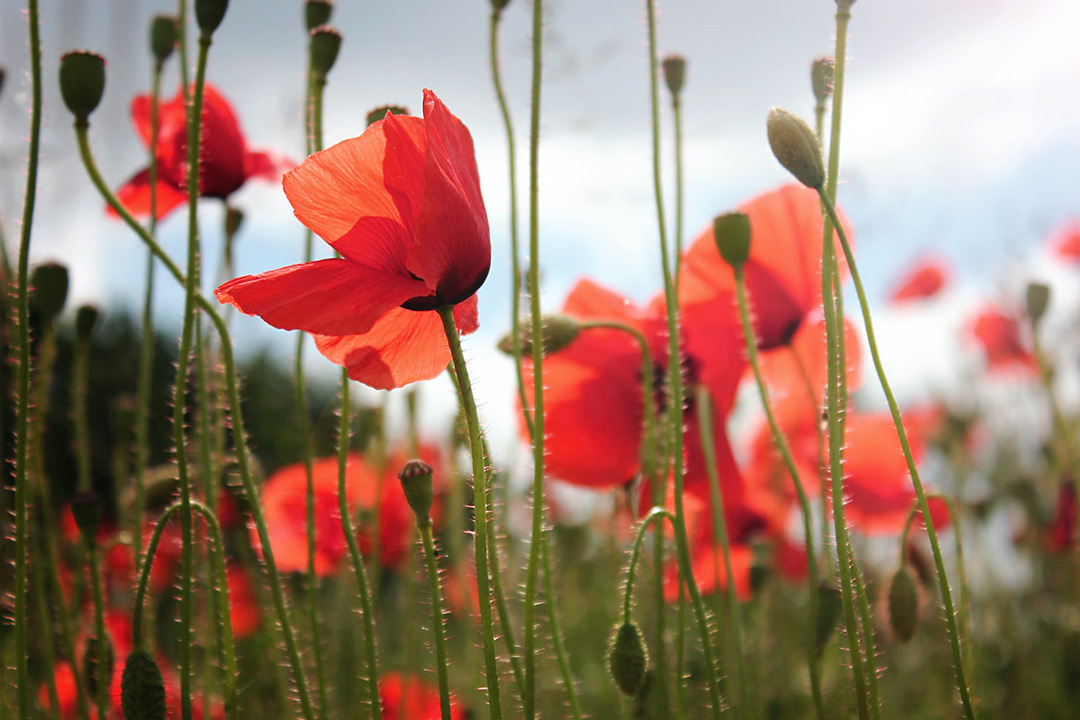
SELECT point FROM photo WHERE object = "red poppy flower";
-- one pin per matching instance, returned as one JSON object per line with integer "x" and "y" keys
{"x": 407, "y": 697}
{"x": 225, "y": 159}
{"x": 1060, "y": 536}
{"x": 244, "y": 613}
{"x": 402, "y": 205}
{"x": 924, "y": 279}
{"x": 999, "y": 335}
{"x": 783, "y": 273}
{"x": 1066, "y": 241}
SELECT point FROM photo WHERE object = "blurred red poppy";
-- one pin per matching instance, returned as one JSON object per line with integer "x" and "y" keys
{"x": 1066, "y": 241}
{"x": 999, "y": 335}
{"x": 407, "y": 697}
{"x": 924, "y": 279}
{"x": 1060, "y": 536}
{"x": 225, "y": 159}
{"x": 244, "y": 613}
{"x": 402, "y": 205}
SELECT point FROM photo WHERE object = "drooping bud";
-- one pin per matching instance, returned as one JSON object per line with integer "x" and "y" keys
{"x": 50, "y": 288}
{"x": 234, "y": 218}
{"x": 674, "y": 73}
{"x": 317, "y": 12}
{"x": 86, "y": 509}
{"x": 415, "y": 476}
{"x": 380, "y": 112}
{"x": 796, "y": 147}
{"x": 627, "y": 659}
{"x": 82, "y": 82}
{"x": 142, "y": 688}
{"x": 86, "y": 318}
{"x": 93, "y": 673}
{"x": 829, "y": 604}
{"x": 821, "y": 78}
{"x": 558, "y": 332}
{"x": 164, "y": 33}
{"x": 1037, "y": 299}
{"x": 209, "y": 14}
{"x": 903, "y": 604}
{"x": 325, "y": 44}
{"x": 732, "y": 234}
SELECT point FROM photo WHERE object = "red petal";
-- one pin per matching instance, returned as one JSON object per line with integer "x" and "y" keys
{"x": 140, "y": 117}
{"x": 451, "y": 248}
{"x": 222, "y": 150}
{"x": 877, "y": 484}
{"x": 924, "y": 279}
{"x": 267, "y": 165}
{"x": 135, "y": 197}
{"x": 466, "y": 316}
{"x": 1066, "y": 241}
{"x": 330, "y": 297}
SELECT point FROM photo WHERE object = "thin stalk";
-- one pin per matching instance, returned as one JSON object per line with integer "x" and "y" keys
{"x": 22, "y": 413}
{"x": 41, "y": 607}
{"x": 482, "y": 539}
{"x": 653, "y": 516}
{"x": 943, "y": 580}
{"x": 438, "y": 625}
{"x": 505, "y": 626}
{"x": 675, "y": 397}
{"x": 556, "y": 633}
{"x": 1061, "y": 425}
{"x": 103, "y": 679}
{"x": 812, "y": 659}
{"x": 676, "y": 112}
{"x": 79, "y": 380}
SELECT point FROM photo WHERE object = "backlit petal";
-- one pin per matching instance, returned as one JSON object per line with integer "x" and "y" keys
{"x": 135, "y": 196}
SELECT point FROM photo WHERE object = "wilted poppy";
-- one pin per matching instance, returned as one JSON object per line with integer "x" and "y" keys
{"x": 924, "y": 279}
{"x": 226, "y": 162}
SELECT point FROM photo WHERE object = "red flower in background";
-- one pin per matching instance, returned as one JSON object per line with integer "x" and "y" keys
{"x": 225, "y": 159}
{"x": 999, "y": 335}
{"x": 1060, "y": 536}
{"x": 924, "y": 279}
{"x": 1066, "y": 241}
{"x": 407, "y": 697}
{"x": 402, "y": 205}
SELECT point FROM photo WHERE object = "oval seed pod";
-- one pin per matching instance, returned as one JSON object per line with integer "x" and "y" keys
{"x": 558, "y": 331}
{"x": 628, "y": 658}
{"x": 903, "y": 604}
{"x": 142, "y": 689}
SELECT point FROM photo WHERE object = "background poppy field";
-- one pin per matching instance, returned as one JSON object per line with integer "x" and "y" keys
{"x": 687, "y": 554}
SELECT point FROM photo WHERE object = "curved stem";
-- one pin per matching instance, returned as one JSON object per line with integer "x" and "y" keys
{"x": 438, "y": 624}
{"x": 556, "y": 632}
{"x": 655, "y": 514}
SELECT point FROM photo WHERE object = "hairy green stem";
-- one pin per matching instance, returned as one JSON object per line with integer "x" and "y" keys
{"x": 438, "y": 625}
{"x": 556, "y": 633}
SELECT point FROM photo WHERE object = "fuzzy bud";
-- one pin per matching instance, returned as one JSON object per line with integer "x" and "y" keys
{"x": 732, "y": 234}
{"x": 1037, "y": 299}
{"x": 829, "y": 607}
{"x": 164, "y": 32}
{"x": 796, "y": 147}
{"x": 82, "y": 82}
{"x": 209, "y": 14}
{"x": 821, "y": 78}
{"x": 325, "y": 44}
{"x": 50, "y": 287}
{"x": 91, "y": 670}
{"x": 86, "y": 509}
{"x": 628, "y": 658}
{"x": 86, "y": 318}
{"x": 317, "y": 12}
{"x": 558, "y": 332}
{"x": 903, "y": 605}
{"x": 674, "y": 73}
{"x": 380, "y": 112}
{"x": 415, "y": 476}
{"x": 142, "y": 688}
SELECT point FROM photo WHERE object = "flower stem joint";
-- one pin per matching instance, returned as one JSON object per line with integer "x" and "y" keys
{"x": 416, "y": 482}
{"x": 82, "y": 83}
{"x": 796, "y": 147}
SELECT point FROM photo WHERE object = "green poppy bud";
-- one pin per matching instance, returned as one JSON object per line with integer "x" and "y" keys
{"x": 325, "y": 44}
{"x": 796, "y": 147}
{"x": 732, "y": 234}
{"x": 821, "y": 78}
{"x": 94, "y": 675}
{"x": 87, "y": 511}
{"x": 903, "y": 605}
{"x": 628, "y": 658}
{"x": 1037, "y": 299}
{"x": 142, "y": 688}
{"x": 234, "y": 218}
{"x": 209, "y": 14}
{"x": 380, "y": 112}
{"x": 164, "y": 33}
{"x": 82, "y": 82}
{"x": 498, "y": 5}
{"x": 674, "y": 73}
{"x": 317, "y": 12}
{"x": 558, "y": 332}
{"x": 50, "y": 287}
{"x": 415, "y": 477}
{"x": 85, "y": 319}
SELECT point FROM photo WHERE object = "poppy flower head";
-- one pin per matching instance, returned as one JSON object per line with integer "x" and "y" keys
{"x": 924, "y": 279}
{"x": 1065, "y": 243}
{"x": 999, "y": 335}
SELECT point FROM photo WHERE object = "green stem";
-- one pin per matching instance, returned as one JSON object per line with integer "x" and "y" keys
{"x": 41, "y": 607}
{"x": 505, "y": 627}
{"x": 676, "y": 111}
{"x": 654, "y": 515}
{"x": 480, "y": 485}
{"x": 103, "y": 679}
{"x": 1068, "y": 448}
{"x": 22, "y": 413}
{"x": 556, "y": 633}
{"x": 943, "y": 580}
{"x": 438, "y": 625}
{"x": 79, "y": 382}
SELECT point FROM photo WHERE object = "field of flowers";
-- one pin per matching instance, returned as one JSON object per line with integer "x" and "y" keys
{"x": 712, "y": 518}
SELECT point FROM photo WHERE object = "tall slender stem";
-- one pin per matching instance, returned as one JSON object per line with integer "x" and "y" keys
{"x": 438, "y": 624}
{"x": 556, "y": 632}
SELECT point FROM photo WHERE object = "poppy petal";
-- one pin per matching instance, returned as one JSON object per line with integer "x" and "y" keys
{"x": 329, "y": 297}
{"x": 135, "y": 196}
{"x": 267, "y": 165}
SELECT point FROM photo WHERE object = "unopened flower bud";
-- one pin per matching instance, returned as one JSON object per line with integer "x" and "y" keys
{"x": 82, "y": 82}
{"x": 821, "y": 78}
{"x": 325, "y": 44}
{"x": 498, "y": 5}
{"x": 1037, "y": 299}
{"x": 142, "y": 688}
{"x": 317, "y": 12}
{"x": 415, "y": 477}
{"x": 558, "y": 332}
{"x": 674, "y": 73}
{"x": 903, "y": 604}
{"x": 380, "y": 112}
{"x": 627, "y": 659}
{"x": 209, "y": 14}
{"x": 796, "y": 147}
{"x": 85, "y": 319}
{"x": 94, "y": 674}
{"x": 234, "y": 218}
{"x": 86, "y": 509}
{"x": 164, "y": 32}
{"x": 50, "y": 288}
{"x": 732, "y": 234}
{"x": 829, "y": 605}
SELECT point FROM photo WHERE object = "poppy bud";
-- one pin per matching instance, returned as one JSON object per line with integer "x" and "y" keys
{"x": 628, "y": 658}
{"x": 498, "y": 5}
{"x": 209, "y": 14}
{"x": 796, "y": 147}
{"x": 234, "y": 218}
{"x": 50, "y": 284}
{"x": 380, "y": 112}
{"x": 86, "y": 509}
{"x": 844, "y": 4}
{"x": 142, "y": 688}
{"x": 674, "y": 73}
{"x": 1037, "y": 299}
{"x": 821, "y": 76}
{"x": 317, "y": 12}
{"x": 558, "y": 332}
{"x": 903, "y": 605}
{"x": 164, "y": 32}
{"x": 325, "y": 43}
{"x": 85, "y": 319}
{"x": 829, "y": 605}
{"x": 91, "y": 671}
{"x": 732, "y": 234}
{"x": 82, "y": 82}
{"x": 415, "y": 477}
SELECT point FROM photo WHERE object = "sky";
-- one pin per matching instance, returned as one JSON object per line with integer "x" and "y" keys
{"x": 961, "y": 136}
